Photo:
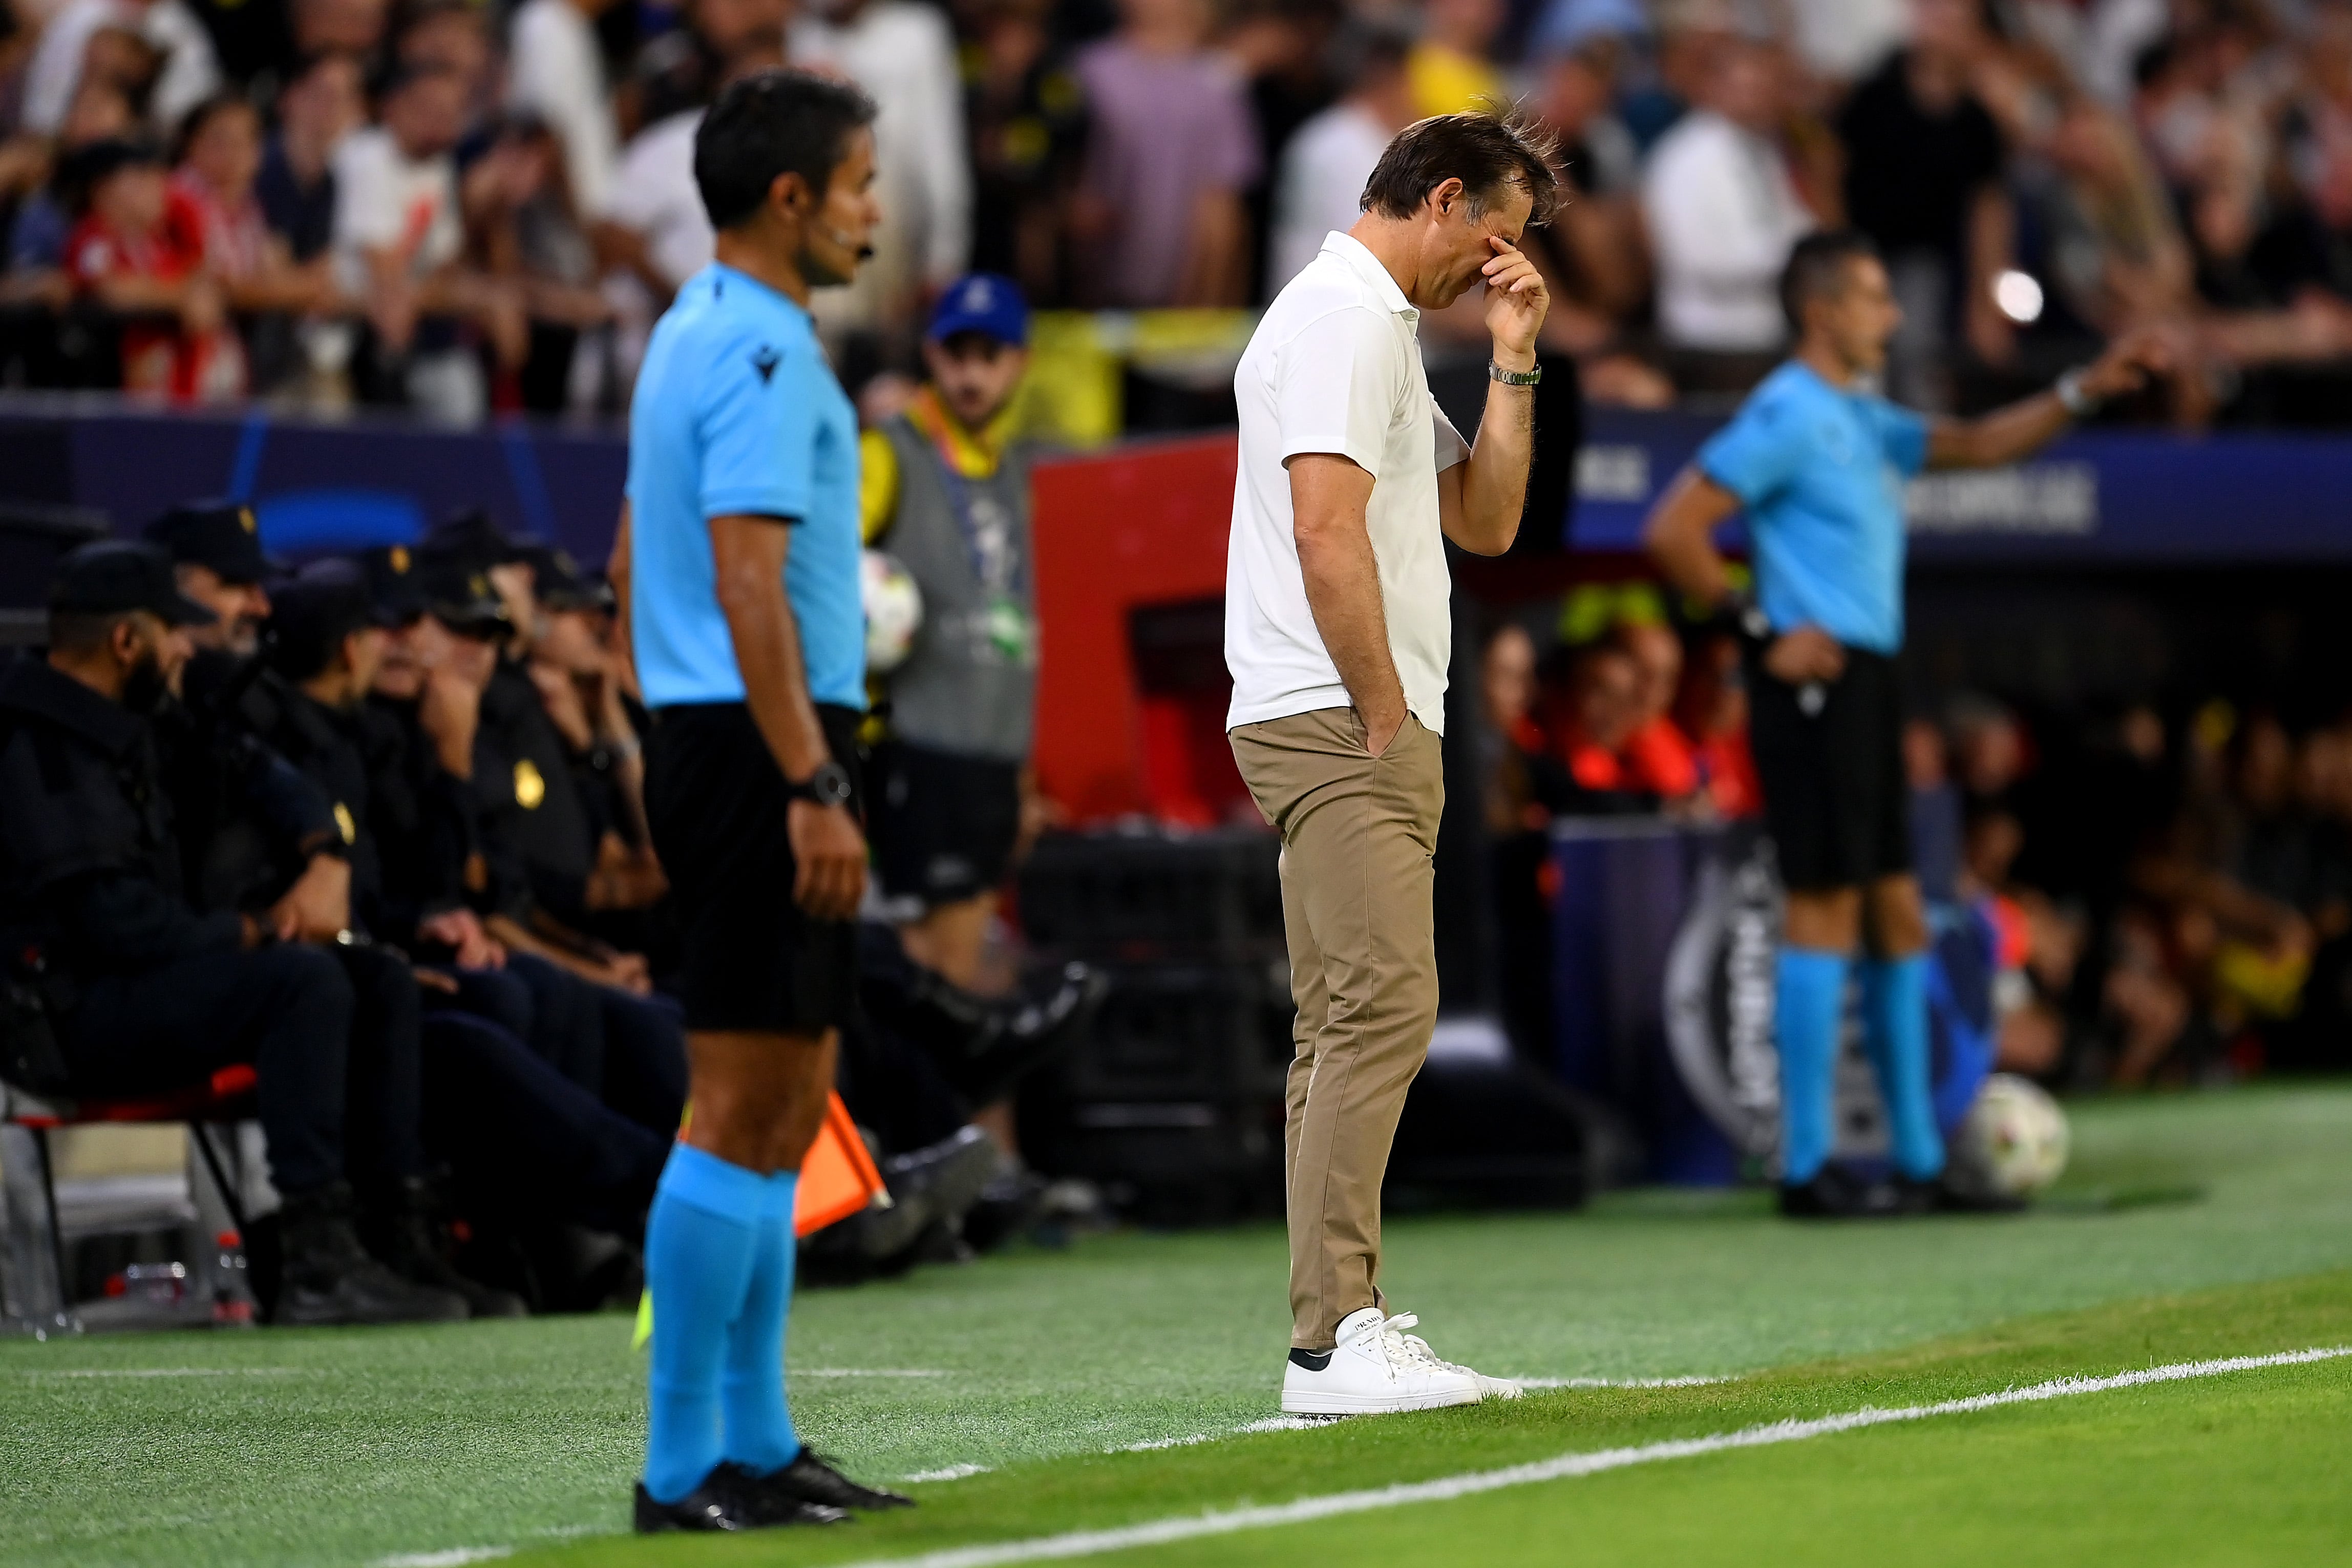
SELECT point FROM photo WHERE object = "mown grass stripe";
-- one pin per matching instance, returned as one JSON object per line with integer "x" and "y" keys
{"x": 1566, "y": 1467}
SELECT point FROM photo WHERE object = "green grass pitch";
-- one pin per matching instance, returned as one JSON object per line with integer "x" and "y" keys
{"x": 1110, "y": 1386}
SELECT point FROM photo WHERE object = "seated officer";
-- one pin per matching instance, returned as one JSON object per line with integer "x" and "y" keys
{"x": 612, "y": 884}
{"x": 149, "y": 996}
{"x": 328, "y": 641}
{"x": 246, "y": 822}
{"x": 216, "y": 560}
{"x": 526, "y": 778}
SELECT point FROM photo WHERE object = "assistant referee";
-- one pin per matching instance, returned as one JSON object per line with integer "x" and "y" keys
{"x": 1818, "y": 460}
{"x": 737, "y": 556}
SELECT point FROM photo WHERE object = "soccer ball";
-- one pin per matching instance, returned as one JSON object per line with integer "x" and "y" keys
{"x": 894, "y": 610}
{"x": 2011, "y": 1143}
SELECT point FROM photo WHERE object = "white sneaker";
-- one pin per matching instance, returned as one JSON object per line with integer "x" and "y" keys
{"x": 1488, "y": 1387}
{"x": 1376, "y": 1367}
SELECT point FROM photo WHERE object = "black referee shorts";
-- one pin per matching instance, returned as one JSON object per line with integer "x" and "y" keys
{"x": 718, "y": 806}
{"x": 1835, "y": 798}
{"x": 944, "y": 825}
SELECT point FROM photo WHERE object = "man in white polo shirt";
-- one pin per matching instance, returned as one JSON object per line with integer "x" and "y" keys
{"x": 1338, "y": 630}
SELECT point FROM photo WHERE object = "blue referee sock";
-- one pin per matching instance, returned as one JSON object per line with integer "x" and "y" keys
{"x": 758, "y": 1423}
{"x": 1807, "y": 1001}
{"x": 700, "y": 1241}
{"x": 1895, "y": 1034}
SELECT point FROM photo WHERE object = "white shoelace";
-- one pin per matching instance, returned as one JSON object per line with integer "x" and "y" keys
{"x": 1410, "y": 1353}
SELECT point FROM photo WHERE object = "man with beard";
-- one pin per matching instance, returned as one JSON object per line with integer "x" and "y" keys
{"x": 249, "y": 824}
{"x": 147, "y": 994}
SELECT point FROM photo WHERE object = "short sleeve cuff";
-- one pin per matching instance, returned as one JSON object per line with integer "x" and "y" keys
{"x": 784, "y": 505}
{"x": 1451, "y": 448}
{"x": 1906, "y": 442}
{"x": 1710, "y": 464}
{"x": 1333, "y": 444}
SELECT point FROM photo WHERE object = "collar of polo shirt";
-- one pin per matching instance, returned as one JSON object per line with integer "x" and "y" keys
{"x": 1365, "y": 265}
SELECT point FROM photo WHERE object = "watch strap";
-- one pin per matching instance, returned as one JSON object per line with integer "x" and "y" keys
{"x": 828, "y": 786}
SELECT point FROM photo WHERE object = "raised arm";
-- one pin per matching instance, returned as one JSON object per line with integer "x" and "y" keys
{"x": 749, "y": 554}
{"x": 1328, "y": 494}
{"x": 2007, "y": 434}
{"x": 1479, "y": 503}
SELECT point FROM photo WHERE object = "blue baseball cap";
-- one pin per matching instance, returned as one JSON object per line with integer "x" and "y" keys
{"x": 983, "y": 303}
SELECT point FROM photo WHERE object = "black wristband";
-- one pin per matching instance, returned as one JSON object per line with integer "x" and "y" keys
{"x": 1745, "y": 618}
{"x": 829, "y": 786}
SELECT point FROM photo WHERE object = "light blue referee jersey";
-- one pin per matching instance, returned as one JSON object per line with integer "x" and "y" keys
{"x": 737, "y": 411}
{"x": 1820, "y": 473}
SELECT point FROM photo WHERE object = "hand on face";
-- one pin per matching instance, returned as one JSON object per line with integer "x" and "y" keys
{"x": 1515, "y": 302}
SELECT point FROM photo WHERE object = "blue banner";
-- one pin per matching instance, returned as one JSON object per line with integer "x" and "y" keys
{"x": 2118, "y": 497}
{"x": 2100, "y": 497}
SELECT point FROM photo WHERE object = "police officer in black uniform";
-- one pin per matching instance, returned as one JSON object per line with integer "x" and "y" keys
{"x": 252, "y": 831}
{"x": 148, "y": 994}
{"x": 526, "y": 778}
{"x": 533, "y": 828}
{"x": 522, "y": 1135}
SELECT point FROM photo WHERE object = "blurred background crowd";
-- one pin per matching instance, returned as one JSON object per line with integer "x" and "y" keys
{"x": 2169, "y": 885}
{"x": 462, "y": 206}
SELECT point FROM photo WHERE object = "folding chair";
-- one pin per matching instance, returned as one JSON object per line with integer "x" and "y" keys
{"x": 33, "y": 1273}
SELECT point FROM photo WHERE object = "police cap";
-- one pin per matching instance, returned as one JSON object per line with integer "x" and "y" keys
{"x": 321, "y": 605}
{"x": 220, "y": 534}
{"x": 108, "y": 576}
{"x": 461, "y": 599}
{"x": 395, "y": 583}
{"x": 470, "y": 540}
{"x": 558, "y": 583}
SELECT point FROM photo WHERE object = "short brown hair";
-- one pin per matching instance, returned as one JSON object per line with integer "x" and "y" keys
{"x": 1492, "y": 152}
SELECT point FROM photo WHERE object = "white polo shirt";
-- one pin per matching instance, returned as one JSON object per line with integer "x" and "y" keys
{"x": 1334, "y": 366}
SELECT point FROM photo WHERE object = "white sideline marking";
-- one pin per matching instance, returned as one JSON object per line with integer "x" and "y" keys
{"x": 791, "y": 1372}
{"x": 1618, "y": 1382}
{"x": 456, "y": 1557}
{"x": 172, "y": 1372}
{"x": 1158, "y": 1533}
{"x": 952, "y": 1473}
{"x": 1271, "y": 1424}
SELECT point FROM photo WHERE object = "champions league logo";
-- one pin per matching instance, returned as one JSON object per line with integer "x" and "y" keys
{"x": 1718, "y": 1010}
{"x": 1719, "y": 993}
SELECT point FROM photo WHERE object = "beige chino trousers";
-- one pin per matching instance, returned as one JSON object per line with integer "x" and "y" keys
{"x": 1357, "y": 832}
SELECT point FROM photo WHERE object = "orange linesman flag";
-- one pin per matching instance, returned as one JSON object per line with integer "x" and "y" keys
{"x": 837, "y": 1178}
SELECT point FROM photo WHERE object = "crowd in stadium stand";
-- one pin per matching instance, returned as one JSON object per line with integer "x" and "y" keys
{"x": 458, "y": 206}
{"x": 2174, "y": 898}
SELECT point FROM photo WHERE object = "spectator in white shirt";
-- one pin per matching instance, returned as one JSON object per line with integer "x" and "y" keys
{"x": 902, "y": 53}
{"x": 1723, "y": 211}
{"x": 191, "y": 71}
{"x": 656, "y": 227}
{"x": 398, "y": 241}
{"x": 1319, "y": 188}
{"x": 556, "y": 71}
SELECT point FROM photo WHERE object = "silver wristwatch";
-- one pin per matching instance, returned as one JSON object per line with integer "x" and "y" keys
{"x": 2071, "y": 396}
{"x": 1514, "y": 377}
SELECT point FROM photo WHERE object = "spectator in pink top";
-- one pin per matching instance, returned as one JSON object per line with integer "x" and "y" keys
{"x": 1171, "y": 148}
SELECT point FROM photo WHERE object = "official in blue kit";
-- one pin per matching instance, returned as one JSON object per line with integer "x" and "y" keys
{"x": 1819, "y": 460}
{"x": 738, "y": 567}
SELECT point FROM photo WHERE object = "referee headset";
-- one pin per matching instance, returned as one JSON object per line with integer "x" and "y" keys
{"x": 863, "y": 252}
